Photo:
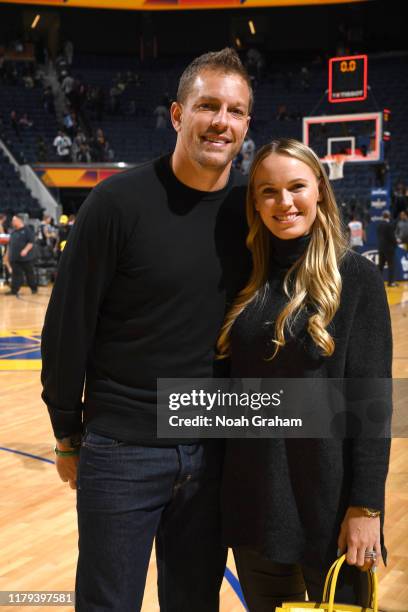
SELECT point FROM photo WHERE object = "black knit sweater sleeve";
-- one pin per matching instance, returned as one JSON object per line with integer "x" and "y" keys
{"x": 85, "y": 271}
{"x": 369, "y": 357}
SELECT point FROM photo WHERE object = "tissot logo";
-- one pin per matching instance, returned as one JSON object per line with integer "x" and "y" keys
{"x": 404, "y": 263}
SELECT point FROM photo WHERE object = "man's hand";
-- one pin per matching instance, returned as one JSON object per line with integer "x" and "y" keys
{"x": 67, "y": 466}
{"x": 26, "y": 249}
{"x": 359, "y": 533}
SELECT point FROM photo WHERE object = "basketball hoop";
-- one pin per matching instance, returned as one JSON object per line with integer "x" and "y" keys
{"x": 335, "y": 163}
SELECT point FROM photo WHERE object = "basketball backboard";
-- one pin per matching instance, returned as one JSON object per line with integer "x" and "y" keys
{"x": 356, "y": 137}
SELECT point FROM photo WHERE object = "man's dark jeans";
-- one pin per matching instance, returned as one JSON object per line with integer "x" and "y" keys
{"x": 127, "y": 495}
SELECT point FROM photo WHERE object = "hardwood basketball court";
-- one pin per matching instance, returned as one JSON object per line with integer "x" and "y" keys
{"x": 38, "y": 536}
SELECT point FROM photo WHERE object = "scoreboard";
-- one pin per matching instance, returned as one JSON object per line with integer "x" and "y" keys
{"x": 348, "y": 78}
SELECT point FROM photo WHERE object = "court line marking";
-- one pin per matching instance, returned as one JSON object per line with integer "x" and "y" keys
{"x": 17, "y": 452}
{"x": 34, "y": 349}
{"x": 228, "y": 575}
{"x": 236, "y": 587}
{"x": 33, "y": 301}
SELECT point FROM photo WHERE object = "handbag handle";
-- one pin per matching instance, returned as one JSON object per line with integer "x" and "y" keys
{"x": 331, "y": 583}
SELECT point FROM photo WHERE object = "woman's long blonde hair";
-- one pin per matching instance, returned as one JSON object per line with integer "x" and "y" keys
{"x": 314, "y": 280}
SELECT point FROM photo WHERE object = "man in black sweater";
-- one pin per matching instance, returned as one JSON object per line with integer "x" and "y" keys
{"x": 141, "y": 293}
{"x": 387, "y": 243}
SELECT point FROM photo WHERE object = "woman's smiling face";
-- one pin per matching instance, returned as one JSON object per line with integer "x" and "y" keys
{"x": 286, "y": 193}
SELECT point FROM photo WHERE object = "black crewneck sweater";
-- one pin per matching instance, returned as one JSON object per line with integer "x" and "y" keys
{"x": 288, "y": 497}
{"x": 141, "y": 293}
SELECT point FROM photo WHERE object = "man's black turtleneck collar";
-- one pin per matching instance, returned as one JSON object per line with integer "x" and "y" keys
{"x": 284, "y": 253}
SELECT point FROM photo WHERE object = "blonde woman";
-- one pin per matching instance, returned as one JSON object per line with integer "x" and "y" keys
{"x": 312, "y": 309}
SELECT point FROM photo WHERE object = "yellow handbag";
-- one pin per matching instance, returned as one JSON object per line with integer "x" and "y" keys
{"x": 328, "y": 604}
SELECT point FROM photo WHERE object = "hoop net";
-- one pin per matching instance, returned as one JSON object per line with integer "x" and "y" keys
{"x": 336, "y": 165}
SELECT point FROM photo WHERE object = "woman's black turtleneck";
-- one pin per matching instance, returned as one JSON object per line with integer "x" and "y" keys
{"x": 284, "y": 253}
{"x": 288, "y": 497}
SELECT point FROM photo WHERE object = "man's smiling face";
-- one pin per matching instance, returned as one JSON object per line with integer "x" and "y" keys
{"x": 212, "y": 122}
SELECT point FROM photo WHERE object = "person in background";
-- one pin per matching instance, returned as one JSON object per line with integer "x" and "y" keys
{"x": 248, "y": 148}
{"x": 3, "y": 223}
{"x": 48, "y": 100}
{"x": 98, "y": 144}
{"x": 69, "y": 121}
{"x": 401, "y": 229}
{"x": 387, "y": 244}
{"x": 245, "y": 163}
{"x": 162, "y": 116}
{"x": 5, "y": 268}
{"x": 21, "y": 256}
{"x": 64, "y": 230}
{"x": 282, "y": 113}
{"x": 357, "y": 233}
{"x": 69, "y": 52}
{"x": 399, "y": 199}
{"x": 41, "y": 149}
{"x": 15, "y": 123}
{"x": 79, "y": 139}
{"x": 63, "y": 144}
{"x": 47, "y": 232}
{"x": 25, "y": 121}
{"x": 83, "y": 155}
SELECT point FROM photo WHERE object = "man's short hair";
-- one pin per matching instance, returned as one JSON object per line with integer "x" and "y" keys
{"x": 225, "y": 61}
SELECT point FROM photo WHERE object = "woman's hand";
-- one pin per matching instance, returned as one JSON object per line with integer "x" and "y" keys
{"x": 358, "y": 534}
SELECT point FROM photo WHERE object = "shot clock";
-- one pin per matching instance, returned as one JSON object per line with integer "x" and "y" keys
{"x": 348, "y": 78}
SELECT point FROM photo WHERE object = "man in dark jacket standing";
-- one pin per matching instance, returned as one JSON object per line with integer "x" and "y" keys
{"x": 387, "y": 243}
{"x": 144, "y": 279}
{"x": 21, "y": 256}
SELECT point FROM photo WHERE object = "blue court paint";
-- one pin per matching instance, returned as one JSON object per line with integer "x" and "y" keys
{"x": 20, "y": 347}
{"x": 234, "y": 582}
{"x": 17, "y": 452}
{"x": 229, "y": 576}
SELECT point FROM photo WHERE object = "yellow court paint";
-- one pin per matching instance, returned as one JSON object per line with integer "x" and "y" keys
{"x": 13, "y": 365}
{"x": 398, "y": 295}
